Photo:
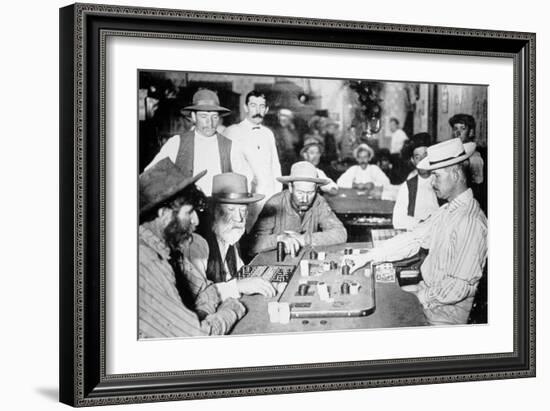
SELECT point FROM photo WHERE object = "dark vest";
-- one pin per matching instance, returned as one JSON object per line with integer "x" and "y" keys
{"x": 184, "y": 159}
{"x": 215, "y": 271}
{"x": 412, "y": 186}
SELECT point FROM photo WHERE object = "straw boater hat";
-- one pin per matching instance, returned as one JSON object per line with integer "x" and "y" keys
{"x": 232, "y": 188}
{"x": 303, "y": 171}
{"x": 206, "y": 100}
{"x": 363, "y": 147}
{"x": 446, "y": 154}
{"x": 161, "y": 183}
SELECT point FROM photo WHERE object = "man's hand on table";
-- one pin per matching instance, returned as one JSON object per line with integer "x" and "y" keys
{"x": 359, "y": 260}
{"x": 293, "y": 242}
{"x": 255, "y": 285}
{"x": 233, "y": 305}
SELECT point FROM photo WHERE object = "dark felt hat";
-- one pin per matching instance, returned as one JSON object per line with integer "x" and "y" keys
{"x": 206, "y": 100}
{"x": 160, "y": 183}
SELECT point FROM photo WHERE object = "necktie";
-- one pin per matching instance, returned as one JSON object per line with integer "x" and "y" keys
{"x": 231, "y": 261}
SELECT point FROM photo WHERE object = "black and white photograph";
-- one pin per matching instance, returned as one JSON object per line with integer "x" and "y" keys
{"x": 272, "y": 204}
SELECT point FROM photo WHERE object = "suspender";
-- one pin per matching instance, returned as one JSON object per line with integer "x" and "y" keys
{"x": 412, "y": 186}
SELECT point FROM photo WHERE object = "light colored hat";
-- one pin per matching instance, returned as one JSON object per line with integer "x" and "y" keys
{"x": 286, "y": 112}
{"x": 363, "y": 147}
{"x": 206, "y": 100}
{"x": 446, "y": 154}
{"x": 232, "y": 188}
{"x": 303, "y": 171}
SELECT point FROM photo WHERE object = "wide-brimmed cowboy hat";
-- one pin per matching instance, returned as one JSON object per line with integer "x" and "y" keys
{"x": 446, "y": 154}
{"x": 363, "y": 147}
{"x": 206, "y": 100}
{"x": 232, "y": 188}
{"x": 160, "y": 183}
{"x": 303, "y": 171}
{"x": 312, "y": 141}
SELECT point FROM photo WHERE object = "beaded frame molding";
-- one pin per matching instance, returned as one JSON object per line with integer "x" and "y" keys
{"x": 83, "y": 32}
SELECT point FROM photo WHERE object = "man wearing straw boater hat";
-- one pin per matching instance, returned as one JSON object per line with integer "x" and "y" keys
{"x": 203, "y": 148}
{"x": 169, "y": 202}
{"x": 217, "y": 255}
{"x": 455, "y": 237}
{"x": 297, "y": 216}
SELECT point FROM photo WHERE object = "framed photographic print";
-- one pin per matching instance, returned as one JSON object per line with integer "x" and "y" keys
{"x": 293, "y": 204}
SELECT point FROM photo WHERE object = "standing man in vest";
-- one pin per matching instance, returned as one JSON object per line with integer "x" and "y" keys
{"x": 203, "y": 148}
{"x": 416, "y": 199}
{"x": 260, "y": 151}
{"x": 217, "y": 256}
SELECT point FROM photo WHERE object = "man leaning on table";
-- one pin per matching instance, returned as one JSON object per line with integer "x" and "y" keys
{"x": 455, "y": 237}
{"x": 169, "y": 202}
{"x": 298, "y": 216}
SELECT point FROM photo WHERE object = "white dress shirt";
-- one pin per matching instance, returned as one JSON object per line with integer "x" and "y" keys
{"x": 426, "y": 204}
{"x": 206, "y": 156}
{"x": 398, "y": 137}
{"x": 355, "y": 174}
{"x": 257, "y": 143}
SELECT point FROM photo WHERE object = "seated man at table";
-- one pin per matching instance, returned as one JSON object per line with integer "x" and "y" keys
{"x": 168, "y": 203}
{"x": 312, "y": 152}
{"x": 217, "y": 256}
{"x": 297, "y": 216}
{"x": 455, "y": 237}
{"x": 416, "y": 199}
{"x": 363, "y": 176}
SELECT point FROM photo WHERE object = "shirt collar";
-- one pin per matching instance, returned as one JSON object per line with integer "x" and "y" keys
{"x": 150, "y": 235}
{"x": 251, "y": 125}
{"x": 461, "y": 200}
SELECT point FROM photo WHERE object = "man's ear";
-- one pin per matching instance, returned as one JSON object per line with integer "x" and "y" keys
{"x": 245, "y": 108}
{"x": 470, "y": 132}
{"x": 194, "y": 117}
{"x": 266, "y": 110}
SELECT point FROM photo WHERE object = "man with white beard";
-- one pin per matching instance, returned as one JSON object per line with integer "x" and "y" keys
{"x": 217, "y": 255}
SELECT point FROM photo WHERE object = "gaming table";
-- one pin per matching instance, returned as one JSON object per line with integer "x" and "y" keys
{"x": 390, "y": 307}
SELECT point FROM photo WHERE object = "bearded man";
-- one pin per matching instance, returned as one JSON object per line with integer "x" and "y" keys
{"x": 297, "y": 217}
{"x": 168, "y": 215}
{"x": 217, "y": 255}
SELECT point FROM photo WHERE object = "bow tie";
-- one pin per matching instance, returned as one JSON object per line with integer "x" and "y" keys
{"x": 256, "y": 128}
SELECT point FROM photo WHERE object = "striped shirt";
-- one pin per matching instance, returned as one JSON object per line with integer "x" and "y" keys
{"x": 161, "y": 311}
{"x": 456, "y": 237}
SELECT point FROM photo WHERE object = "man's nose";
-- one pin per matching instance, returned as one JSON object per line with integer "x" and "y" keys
{"x": 239, "y": 216}
{"x": 195, "y": 218}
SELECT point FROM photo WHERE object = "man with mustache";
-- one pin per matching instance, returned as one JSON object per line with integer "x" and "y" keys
{"x": 363, "y": 176}
{"x": 218, "y": 255}
{"x": 257, "y": 142}
{"x": 168, "y": 215}
{"x": 298, "y": 217}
